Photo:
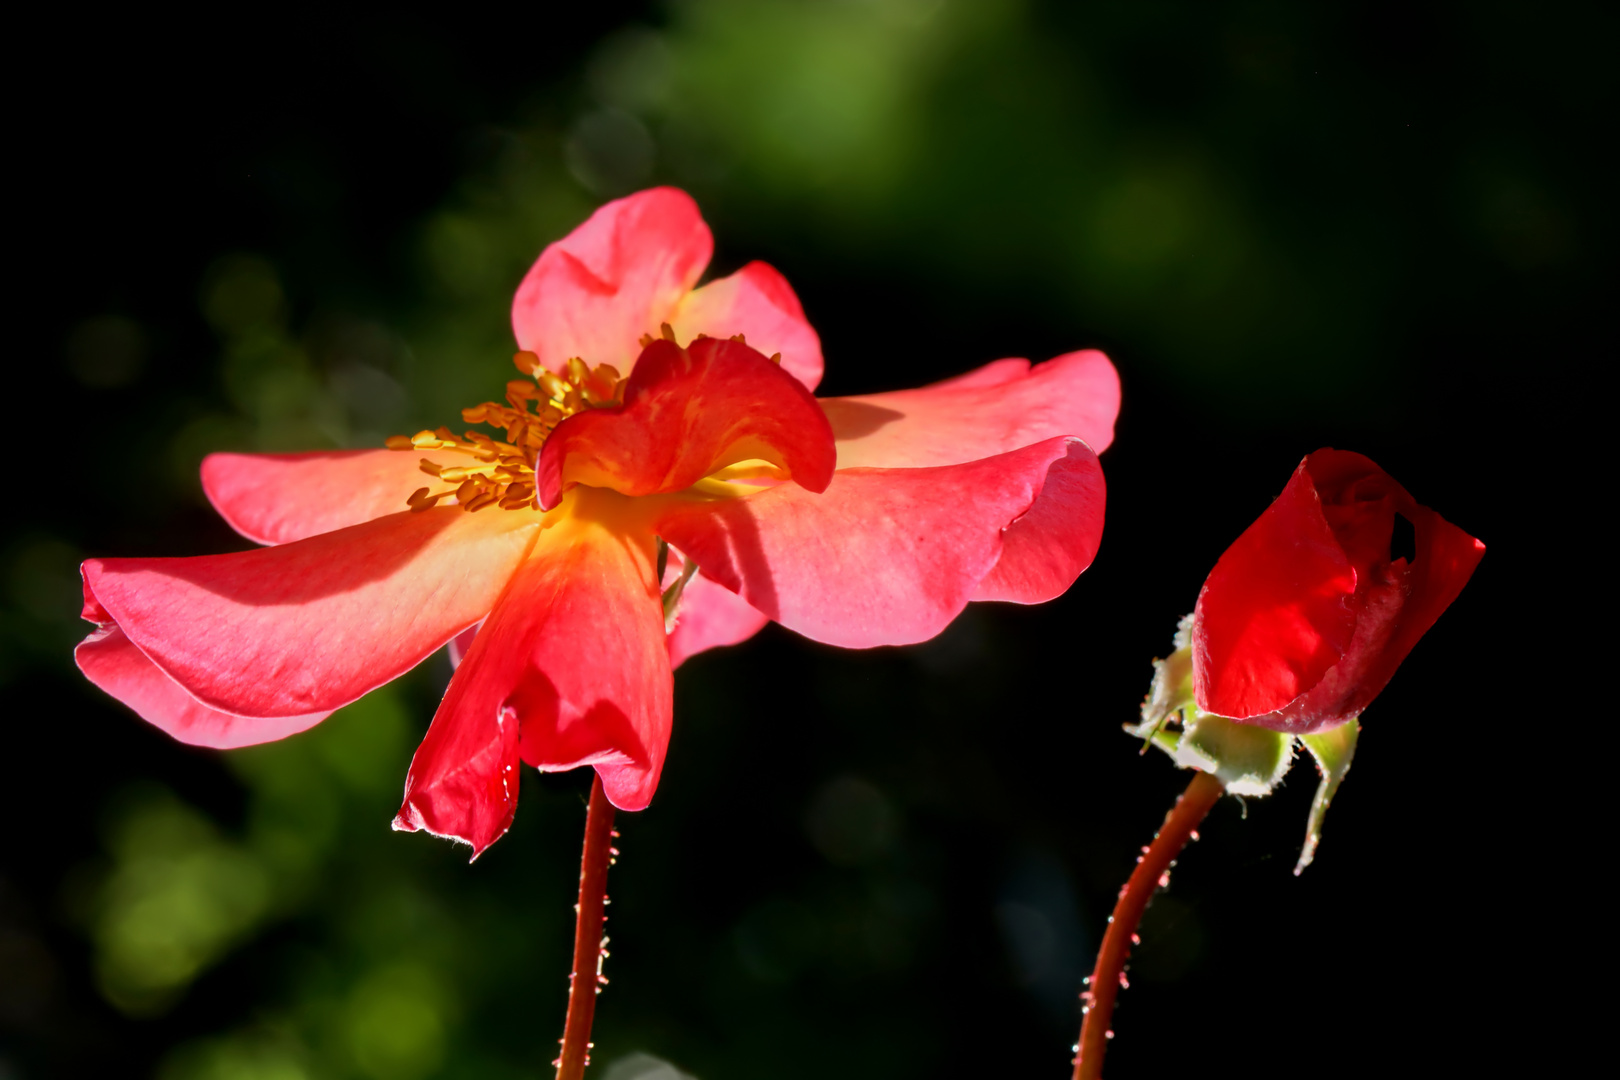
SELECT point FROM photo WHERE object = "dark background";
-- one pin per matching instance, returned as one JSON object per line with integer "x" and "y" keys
{"x": 1379, "y": 227}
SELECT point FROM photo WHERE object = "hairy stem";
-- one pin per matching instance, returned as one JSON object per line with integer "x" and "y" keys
{"x": 586, "y": 981}
{"x": 1099, "y": 996}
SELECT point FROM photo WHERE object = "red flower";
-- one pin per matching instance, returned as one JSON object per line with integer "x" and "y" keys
{"x": 1306, "y": 617}
{"x": 855, "y": 521}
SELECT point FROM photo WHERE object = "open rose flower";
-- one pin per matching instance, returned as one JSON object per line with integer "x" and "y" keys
{"x": 642, "y": 501}
{"x": 1306, "y": 617}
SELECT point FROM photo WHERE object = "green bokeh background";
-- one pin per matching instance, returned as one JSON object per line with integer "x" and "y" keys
{"x": 1380, "y": 227}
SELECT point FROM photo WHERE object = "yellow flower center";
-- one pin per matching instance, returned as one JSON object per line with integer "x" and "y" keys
{"x": 501, "y": 472}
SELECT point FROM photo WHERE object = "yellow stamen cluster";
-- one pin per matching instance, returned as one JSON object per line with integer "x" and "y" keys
{"x": 502, "y": 471}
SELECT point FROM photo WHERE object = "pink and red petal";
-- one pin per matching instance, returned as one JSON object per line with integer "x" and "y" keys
{"x": 999, "y": 407}
{"x": 709, "y": 616}
{"x": 1346, "y": 687}
{"x": 1359, "y": 501}
{"x": 1054, "y": 541}
{"x": 110, "y": 660}
{"x": 1392, "y": 606}
{"x": 595, "y": 292}
{"x": 758, "y": 303}
{"x": 1276, "y": 612}
{"x": 1396, "y": 604}
{"x": 883, "y": 557}
{"x": 569, "y": 669}
{"x": 463, "y": 781}
{"x": 308, "y": 626}
{"x": 686, "y": 413}
{"x": 279, "y": 498}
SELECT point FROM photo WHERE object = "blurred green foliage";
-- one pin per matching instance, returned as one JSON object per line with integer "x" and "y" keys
{"x": 178, "y": 899}
{"x": 1288, "y": 223}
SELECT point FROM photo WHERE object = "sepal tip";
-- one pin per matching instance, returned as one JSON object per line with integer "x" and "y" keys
{"x": 1332, "y": 750}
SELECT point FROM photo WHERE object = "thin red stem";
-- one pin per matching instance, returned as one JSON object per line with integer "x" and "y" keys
{"x": 1099, "y": 996}
{"x": 586, "y": 981}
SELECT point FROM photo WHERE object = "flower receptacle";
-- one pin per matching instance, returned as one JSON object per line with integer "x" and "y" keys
{"x": 1247, "y": 759}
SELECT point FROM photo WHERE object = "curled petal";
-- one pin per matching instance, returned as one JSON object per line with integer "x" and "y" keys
{"x": 1055, "y": 540}
{"x": 883, "y": 557}
{"x": 686, "y": 413}
{"x": 1000, "y": 407}
{"x": 110, "y": 660}
{"x": 463, "y": 782}
{"x": 1276, "y": 612}
{"x": 595, "y": 292}
{"x": 758, "y": 303}
{"x": 308, "y": 626}
{"x": 279, "y": 498}
{"x": 1359, "y": 501}
{"x": 1395, "y": 605}
{"x": 569, "y": 669}
{"x": 1345, "y": 689}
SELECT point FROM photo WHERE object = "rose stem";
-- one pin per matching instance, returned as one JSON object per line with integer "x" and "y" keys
{"x": 1099, "y": 996}
{"x": 585, "y": 982}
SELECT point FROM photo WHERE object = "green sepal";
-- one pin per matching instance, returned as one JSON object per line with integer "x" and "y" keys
{"x": 1170, "y": 694}
{"x": 1247, "y": 760}
{"x": 1332, "y": 750}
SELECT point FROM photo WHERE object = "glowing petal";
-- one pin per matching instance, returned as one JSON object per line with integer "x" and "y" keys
{"x": 112, "y": 662}
{"x": 1052, "y": 544}
{"x": 999, "y": 407}
{"x": 309, "y": 626}
{"x": 573, "y": 657}
{"x": 595, "y": 292}
{"x": 758, "y": 303}
{"x": 279, "y": 498}
{"x": 1394, "y": 603}
{"x": 1276, "y": 612}
{"x": 883, "y": 557}
{"x": 686, "y": 413}
{"x": 463, "y": 781}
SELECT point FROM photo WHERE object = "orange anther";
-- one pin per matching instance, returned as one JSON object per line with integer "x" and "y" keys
{"x": 503, "y": 473}
{"x": 552, "y": 385}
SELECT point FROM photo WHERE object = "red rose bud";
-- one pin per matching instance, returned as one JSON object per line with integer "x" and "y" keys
{"x": 1299, "y": 626}
{"x": 1306, "y": 617}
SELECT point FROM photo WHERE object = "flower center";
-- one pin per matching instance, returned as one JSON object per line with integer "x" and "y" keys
{"x": 501, "y": 471}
